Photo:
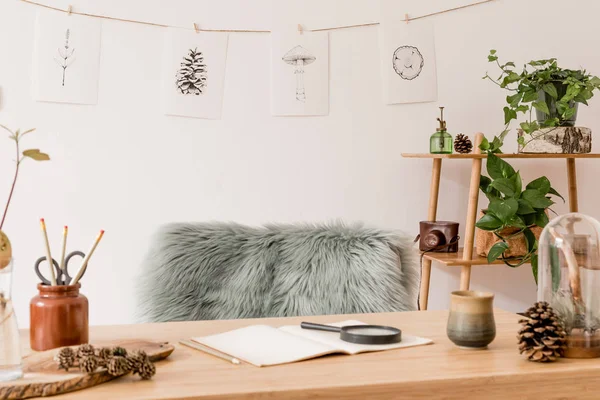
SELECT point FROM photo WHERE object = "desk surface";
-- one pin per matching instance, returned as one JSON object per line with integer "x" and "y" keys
{"x": 437, "y": 371}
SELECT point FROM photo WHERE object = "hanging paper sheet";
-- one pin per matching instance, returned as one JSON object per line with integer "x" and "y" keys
{"x": 194, "y": 73}
{"x": 408, "y": 67}
{"x": 299, "y": 73}
{"x": 66, "y": 58}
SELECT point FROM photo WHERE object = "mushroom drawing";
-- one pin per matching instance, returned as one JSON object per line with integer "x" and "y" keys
{"x": 299, "y": 57}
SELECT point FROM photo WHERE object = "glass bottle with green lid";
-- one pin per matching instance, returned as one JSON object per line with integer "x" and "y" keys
{"x": 441, "y": 141}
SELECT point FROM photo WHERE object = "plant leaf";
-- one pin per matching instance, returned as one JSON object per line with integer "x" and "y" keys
{"x": 488, "y": 222}
{"x": 27, "y": 131}
{"x": 516, "y": 222}
{"x": 504, "y": 210}
{"x": 484, "y": 182}
{"x": 496, "y": 251}
{"x": 509, "y": 115}
{"x": 518, "y": 184}
{"x": 498, "y": 168}
{"x": 505, "y": 186}
{"x": 550, "y": 89}
{"x": 525, "y": 207}
{"x": 36, "y": 155}
{"x": 529, "y": 96}
{"x": 554, "y": 192}
{"x": 542, "y": 106}
{"x": 541, "y": 219}
{"x": 541, "y": 184}
{"x": 534, "y": 267}
{"x": 536, "y": 199}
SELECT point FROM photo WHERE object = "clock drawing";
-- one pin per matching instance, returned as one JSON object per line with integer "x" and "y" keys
{"x": 408, "y": 62}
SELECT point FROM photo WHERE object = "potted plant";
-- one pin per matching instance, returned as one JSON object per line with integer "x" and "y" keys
{"x": 509, "y": 228}
{"x": 553, "y": 92}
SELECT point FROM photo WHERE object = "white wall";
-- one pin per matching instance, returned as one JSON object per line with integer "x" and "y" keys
{"x": 125, "y": 167}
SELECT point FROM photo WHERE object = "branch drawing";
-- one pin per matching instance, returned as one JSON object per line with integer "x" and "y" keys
{"x": 65, "y": 56}
{"x": 299, "y": 57}
{"x": 191, "y": 77}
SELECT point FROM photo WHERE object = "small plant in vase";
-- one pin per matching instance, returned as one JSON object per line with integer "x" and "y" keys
{"x": 553, "y": 92}
{"x": 10, "y": 358}
{"x": 515, "y": 215}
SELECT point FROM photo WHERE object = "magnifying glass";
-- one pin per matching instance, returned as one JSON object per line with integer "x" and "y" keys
{"x": 361, "y": 334}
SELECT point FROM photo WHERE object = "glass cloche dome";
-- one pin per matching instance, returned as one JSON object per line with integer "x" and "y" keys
{"x": 569, "y": 279}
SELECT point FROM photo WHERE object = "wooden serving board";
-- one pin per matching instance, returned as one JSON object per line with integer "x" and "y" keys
{"x": 43, "y": 378}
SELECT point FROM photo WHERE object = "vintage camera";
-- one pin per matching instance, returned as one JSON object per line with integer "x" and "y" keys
{"x": 438, "y": 236}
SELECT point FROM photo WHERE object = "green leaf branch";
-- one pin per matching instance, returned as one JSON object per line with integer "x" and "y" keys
{"x": 512, "y": 210}
{"x": 34, "y": 154}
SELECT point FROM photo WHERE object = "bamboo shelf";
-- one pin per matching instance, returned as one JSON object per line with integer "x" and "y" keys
{"x": 457, "y": 260}
{"x": 472, "y": 156}
{"x": 466, "y": 257}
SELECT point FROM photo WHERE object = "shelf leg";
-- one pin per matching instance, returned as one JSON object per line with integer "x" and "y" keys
{"x": 431, "y": 216}
{"x": 572, "y": 177}
{"x": 465, "y": 273}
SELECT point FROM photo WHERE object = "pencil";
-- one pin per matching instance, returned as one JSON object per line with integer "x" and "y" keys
{"x": 64, "y": 248}
{"x": 208, "y": 350}
{"x": 87, "y": 259}
{"x": 48, "y": 254}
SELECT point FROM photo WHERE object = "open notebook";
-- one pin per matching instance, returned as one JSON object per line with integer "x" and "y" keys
{"x": 264, "y": 345}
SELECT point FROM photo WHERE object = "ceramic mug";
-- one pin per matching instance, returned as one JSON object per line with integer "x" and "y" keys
{"x": 471, "y": 322}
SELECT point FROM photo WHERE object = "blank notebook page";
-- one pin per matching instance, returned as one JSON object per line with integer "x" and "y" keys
{"x": 333, "y": 340}
{"x": 263, "y": 345}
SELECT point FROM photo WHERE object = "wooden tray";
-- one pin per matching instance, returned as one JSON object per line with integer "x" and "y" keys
{"x": 43, "y": 378}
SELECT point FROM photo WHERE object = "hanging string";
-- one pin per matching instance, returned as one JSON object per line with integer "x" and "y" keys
{"x": 70, "y": 11}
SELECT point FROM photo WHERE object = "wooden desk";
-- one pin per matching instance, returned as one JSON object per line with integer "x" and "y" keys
{"x": 437, "y": 371}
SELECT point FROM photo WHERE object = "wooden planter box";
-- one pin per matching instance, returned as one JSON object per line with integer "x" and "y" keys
{"x": 484, "y": 240}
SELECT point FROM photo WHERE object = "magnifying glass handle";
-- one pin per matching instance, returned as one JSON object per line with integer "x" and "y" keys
{"x": 320, "y": 327}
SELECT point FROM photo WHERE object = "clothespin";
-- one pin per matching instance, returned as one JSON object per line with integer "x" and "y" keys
{"x": 300, "y": 29}
{"x": 406, "y": 18}
{"x": 196, "y": 28}
{"x": 69, "y": 10}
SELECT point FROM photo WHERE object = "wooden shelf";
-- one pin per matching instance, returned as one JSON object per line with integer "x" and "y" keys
{"x": 455, "y": 259}
{"x": 508, "y": 155}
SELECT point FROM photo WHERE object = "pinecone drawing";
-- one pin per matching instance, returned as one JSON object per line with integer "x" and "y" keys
{"x": 462, "y": 144}
{"x": 191, "y": 77}
{"x": 117, "y": 366}
{"x": 88, "y": 364}
{"x": 66, "y": 358}
{"x": 85, "y": 350}
{"x": 542, "y": 335}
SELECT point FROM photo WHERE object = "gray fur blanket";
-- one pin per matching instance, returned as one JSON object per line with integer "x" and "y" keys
{"x": 206, "y": 271}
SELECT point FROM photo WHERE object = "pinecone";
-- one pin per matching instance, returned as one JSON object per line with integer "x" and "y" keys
{"x": 85, "y": 350}
{"x": 136, "y": 359}
{"x": 542, "y": 335}
{"x": 119, "y": 351}
{"x": 147, "y": 370}
{"x": 66, "y": 358}
{"x": 462, "y": 144}
{"x": 117, "y": 366}
{"x": 104, "y": 354}
{"x": 88, "y": 364}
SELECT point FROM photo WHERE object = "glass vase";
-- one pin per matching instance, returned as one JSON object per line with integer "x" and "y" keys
{"x": 10, "y": 350}
{"x": 569, "y": 279}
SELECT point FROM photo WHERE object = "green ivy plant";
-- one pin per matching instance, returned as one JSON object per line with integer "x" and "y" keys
{"x": 538, "y": 78}
{"x": 511, "y": 206}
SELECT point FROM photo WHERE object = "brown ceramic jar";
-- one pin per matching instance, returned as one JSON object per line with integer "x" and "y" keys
{"x": 58, "y": 317}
